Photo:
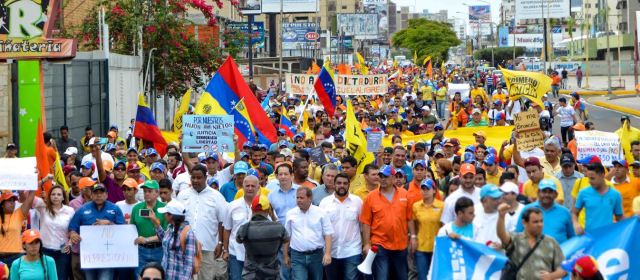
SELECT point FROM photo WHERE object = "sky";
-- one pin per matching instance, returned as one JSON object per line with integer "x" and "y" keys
{"x": 452, "y": 6}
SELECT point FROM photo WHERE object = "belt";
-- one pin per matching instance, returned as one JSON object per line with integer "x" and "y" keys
{"x": 151, "y": 245}
{"x": 310, "y": 252}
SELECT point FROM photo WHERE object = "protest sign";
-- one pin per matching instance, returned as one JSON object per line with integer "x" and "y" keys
{"x": 18, "y": 173}
{"x": 463, "y": 89}
{"x": 615, "y": 248}
{"x": 527, "y": 125}
{"x": 465, "y": 259}
{"x": 302, "y": 84}
{"x": 525, "y": 84}
{"x": 317, "y": 155}
{"x": 108, "y": 246}
{"x": 374, "y": 141}
{"x": 207, "y": 133}
{"x": 605, "y": 145}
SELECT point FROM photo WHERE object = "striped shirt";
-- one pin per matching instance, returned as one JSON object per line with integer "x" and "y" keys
{"x": 178, "y": 263}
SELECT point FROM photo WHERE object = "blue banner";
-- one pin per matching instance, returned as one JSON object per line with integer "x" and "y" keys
{"x": 615, "y": 247}
{"x": 464, "y": 259}
{"x": 503, "y": 36}
{"x": 207, "y": 133}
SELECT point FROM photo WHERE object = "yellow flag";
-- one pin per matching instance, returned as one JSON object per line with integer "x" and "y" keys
{"x": 184, "y": 107}
{"x": 356, "y": 140}
{"x": 395, "y": 63}
{"x": 415, "y": 57}
{"x": 207, "y": 105}
{"x": 426, "y": 59}
{"x": 58, "y": 175}
{"x": 530, "y": 85}
{"x": 362, "y": 64}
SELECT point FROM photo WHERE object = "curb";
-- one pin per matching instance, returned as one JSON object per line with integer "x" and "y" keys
{"x": 618, "y": 108}
{"x": 598, "y": 92}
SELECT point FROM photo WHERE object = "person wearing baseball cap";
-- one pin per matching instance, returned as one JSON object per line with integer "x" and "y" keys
{"x": 426, "y": 214}
{"x": 11, "y": 151}
{"x": 229, "y": 190}
{"x": 34, "y": 264}
{"x": 557, "y": 218}
{"x": 583, "y": 267}
{"x": 536, "y": 173}
{"x": 158, "y": 171}
{"x": 568, "y": 176}
{"x": 99, "y": 211}
{"x": 476, "y": 119}
{"x": 149, "y": 246}
{"x": 480, "y": 137}
{"x": 486, "y": 216}
{"x": 12, "y": 220}
{"x": 510, "y": 196}
{"x": 493, "y": 171}
{"x": 628, "y": 187}
{"x": 84, "y": 185}
{"x": 129, "y": 189}
{"x": 113, "y": 184}
{"x": 87, "y": 168}
{"x": 178, "y": 231}
{"x": 466, "y": 189}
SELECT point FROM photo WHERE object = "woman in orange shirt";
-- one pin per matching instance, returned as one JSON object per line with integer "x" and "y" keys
{"x": 12, "y": 219}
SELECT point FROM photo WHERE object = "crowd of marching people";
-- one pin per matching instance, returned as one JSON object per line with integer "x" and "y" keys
{"x": 276, "y": 212}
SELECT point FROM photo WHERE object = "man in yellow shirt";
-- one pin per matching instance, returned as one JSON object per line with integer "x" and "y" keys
{"x": 479, "y": 91}
{"x": 427, "y": 94}
{"x": 493, "y": 171}
{"x": 536, "y": 174}
{"x": 441, "y": 99}
{"x": 499, "y": 95}
{"x": 372, "y": 181}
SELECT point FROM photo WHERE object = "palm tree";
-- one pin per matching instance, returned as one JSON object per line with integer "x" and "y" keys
{"x": 570, "y": 24}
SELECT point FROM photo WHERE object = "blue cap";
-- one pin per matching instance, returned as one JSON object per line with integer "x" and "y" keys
{"x": 399, "y": 171}
{"x": 470, "y": 148}
{"x": 151, "y": 151}
{"x": 490, "y": 159}
{"x": 589, "y": 159}
{"x": 247, "y": 144}
{"x": 110, "y": 147}
{"x": 299, "y": 135}
{"x": 547, "y": 184}
{"x": 427, "y": 184}
{"x": 469, "y": 157}
{"x": 490, "y": 190}
{"x": 281, "y": 130}
{"x": 266, "y": 168}
{"x": 120, "y": 162}
{"x": 244, "y": 154}
{"x": 419, "y": 162}
{"x": 465, "y": 100}
{"x": 262, "y": 146}
{"x": 113, "y": 126}
{"x": 253, "y": 172}
{"x": 87, "y": 165}
{"x": 283, "y": 143}
{"x": 240, "y": 167}
{"x": 132, "y": 149}
{"x": 492, "y": 150}
{"x": 438, "y": 126}
{"x": 387, "y": 171}
{"x": 157, "y": 166}
{"x": 211, "y": 155}
{"x": 212, "y": 181}
{"x": 394, "y": 110}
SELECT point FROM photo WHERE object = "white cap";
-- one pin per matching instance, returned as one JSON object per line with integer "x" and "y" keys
{"x": 509, "y": 187}
{"x": 425, "y": 108}
{"x": 71, "y": 151}
{"x": 92, "y": 141}
{"x": 174, "y": 207}
{"x": 476, "y": 110}
{"x": 286, "y": 152}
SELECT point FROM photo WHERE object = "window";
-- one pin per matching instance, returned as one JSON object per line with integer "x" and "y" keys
{"x": 344, "y": 7}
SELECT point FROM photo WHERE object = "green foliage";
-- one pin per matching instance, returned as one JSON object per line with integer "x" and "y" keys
{"x": 426, "y": 37}
{"x": 179, "y": 60}
{"x": 499, "y": 54}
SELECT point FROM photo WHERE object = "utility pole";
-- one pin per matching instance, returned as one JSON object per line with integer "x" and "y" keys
{"x": 544, "y": 36}
{"x": 608, "y": 54}
{"x": 250, "y": 45}
{"x": 281, "y": 50}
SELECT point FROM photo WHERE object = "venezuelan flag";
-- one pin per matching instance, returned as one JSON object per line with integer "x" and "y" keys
{"x": 243, "y": 125}
{"x": 286, "y": 124}
{"x": 326, "y": 90}
{"x": 227, "y": 87}
{"x": 146, "y": 127}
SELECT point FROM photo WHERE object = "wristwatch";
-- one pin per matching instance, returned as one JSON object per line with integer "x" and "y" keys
{"x": 146, "y": 240}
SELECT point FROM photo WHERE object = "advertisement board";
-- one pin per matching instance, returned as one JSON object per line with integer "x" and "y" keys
{"x": 24, "y": 30}
{"x": 380, "y": 8}
{"x": 290, "y": 6}
{"x": 535, "y": 9}
{"x": 300, "y": 35}
{"x": 344, "y": 42}
{"x": 479, "y": 20}
{"x": 503, "y": 36}
{"x": 257, "y": 38}
{"x": 531, "y": 41}
{"x": 250, "y": 7}
{"x": 361, "y": 26}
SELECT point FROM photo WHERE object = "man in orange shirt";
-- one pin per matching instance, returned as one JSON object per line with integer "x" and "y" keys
{"x": 628, "y": 187}
{"x": 386, "y": 223}
{"x": 555, "y": 83}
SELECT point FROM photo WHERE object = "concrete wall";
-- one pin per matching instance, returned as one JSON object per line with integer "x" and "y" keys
{"x": 5, "y": 107}
{"x": 125, "y": 82}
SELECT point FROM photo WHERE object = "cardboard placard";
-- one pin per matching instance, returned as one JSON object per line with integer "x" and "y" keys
{"x": 374, "y": 141}
{"x": 527, "y": 120}
{"x": 605, "y": 145}
{"x": 18, "y": 173}
{"x": 108, "y": 246}
{"x": 317, "y": 155}
{"x": 207, "y": 133}
{"x": 527, "y": 124}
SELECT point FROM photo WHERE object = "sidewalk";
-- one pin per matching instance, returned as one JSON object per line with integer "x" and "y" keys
{"x": 627, "y": 104}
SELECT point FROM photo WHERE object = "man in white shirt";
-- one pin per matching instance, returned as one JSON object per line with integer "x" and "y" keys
{"x": 567, "y": 118}
{"x": 467, "y": 189}
{"x": 239, "y": 214}
{"x": 311, "y": 231}
{"x": 487, "y": 216}
{"x": 89, "y": 157}
{"x": 343, "y": 210}
{"x": 510, "y": 196}
{"x": 206, "y": 210}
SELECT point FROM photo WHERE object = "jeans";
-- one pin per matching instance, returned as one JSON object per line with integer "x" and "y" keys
{"x": 556, "y": 90}
{"x": 235, "y": 268}
{"x": 147, "y": 255}
{"x": 423, "y": 263}
{"x": 9, "y": 259}
{"x": 564, "y": 131}
{"x": 98, "y": 274}
{"x": 306, "y": 265}
{"x": 346, "y": 268}
{"x": 579, "y": 82}
{"x": 440, "y": 104}
{"x": 285, "y": 272}
{"x": 390, "y": 265}
{"x": 63, "y": 262}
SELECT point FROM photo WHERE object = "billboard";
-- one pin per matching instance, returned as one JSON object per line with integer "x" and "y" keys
{"x": 257, "y": 38}
{"x": 300, "y": 35}
{"x": 250, "y": 7}
{"x": 290, "y": 6}
{"x": 361, "y": 26}
{"x": 479, "y": 20}
{"x": 381, "y": 8}
{"x": 344, "y": 42}
{"x": 532, "y": 41}
{"x": 535, "y": 9}
{"x": 503, "y": 36}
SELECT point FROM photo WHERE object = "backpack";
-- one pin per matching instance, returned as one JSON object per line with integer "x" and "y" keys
{"x": 197, "y": 259}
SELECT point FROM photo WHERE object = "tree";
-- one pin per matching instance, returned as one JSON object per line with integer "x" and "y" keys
{"x": 179, "y": 60}
{"x": 499, "y": 54}
{"x": 571, "y": 23}
{"x": 426, "y": 38}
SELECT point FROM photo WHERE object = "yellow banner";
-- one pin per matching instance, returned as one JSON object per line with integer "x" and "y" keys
{"x": 356, "y": 140}
{"x": 530, "y": 85}
{"x": 183, "y": 109}
{"x": 495, "y": 136}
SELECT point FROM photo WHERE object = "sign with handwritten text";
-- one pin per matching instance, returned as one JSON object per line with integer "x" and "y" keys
{"x": 605, "y": 145}
{"x": 527, "y": 124}
{"x": 108, "y": 246}
{"x": 18, "y": 173}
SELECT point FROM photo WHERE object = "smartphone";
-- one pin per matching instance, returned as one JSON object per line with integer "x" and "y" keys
{"x": 102, "y": 141}
{"x": 144, "y": 212}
